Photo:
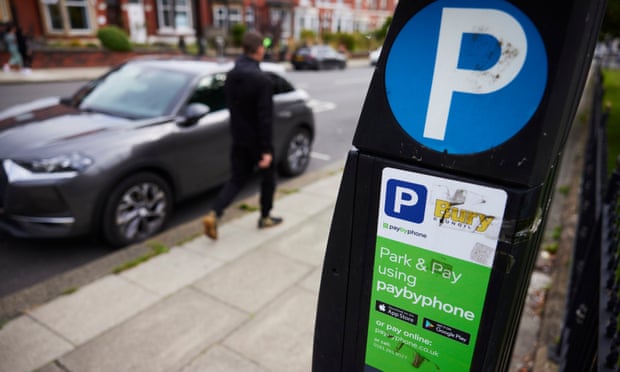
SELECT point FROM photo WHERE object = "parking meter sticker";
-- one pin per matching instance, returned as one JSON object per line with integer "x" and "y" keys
{"x": 424, "y": 304}
{"x": 430, "y": 271}
{"x": 466, "y": 76}
{"x": 454, "y": 218}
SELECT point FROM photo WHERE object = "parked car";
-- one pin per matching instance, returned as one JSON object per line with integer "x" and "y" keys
{"x": 114, "y": 158}
{"x": 373, "y": 56}
{"x": 318, "y": 57}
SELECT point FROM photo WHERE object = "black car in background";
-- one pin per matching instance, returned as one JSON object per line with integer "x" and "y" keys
{"x": 318, "y": 57}
{"x": 116, "y": 156}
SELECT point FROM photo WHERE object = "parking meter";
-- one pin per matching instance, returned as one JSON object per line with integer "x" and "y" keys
{"x": 219, "y": 40}
{"x": 438, "y": 218}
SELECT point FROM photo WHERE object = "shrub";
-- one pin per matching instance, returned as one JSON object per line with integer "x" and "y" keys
{"x": 237, "y": 32}
{"x": 114, "y": 39}
{"x": 307, "y": 36}
{"x": 381, "y": 33}
{"x": 348, "y": 40}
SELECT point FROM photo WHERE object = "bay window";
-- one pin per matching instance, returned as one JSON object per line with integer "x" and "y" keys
{"x": 67, "y": 16}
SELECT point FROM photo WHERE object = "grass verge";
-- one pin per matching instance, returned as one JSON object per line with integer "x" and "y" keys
{"x": 156, "y": 249}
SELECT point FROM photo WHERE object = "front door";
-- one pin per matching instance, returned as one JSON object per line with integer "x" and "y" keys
{"x": 137, "y": 23}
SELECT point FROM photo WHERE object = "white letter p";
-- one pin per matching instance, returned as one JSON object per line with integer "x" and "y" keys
{"x": 404, "y": 196}
{"x": 448, "y": 78}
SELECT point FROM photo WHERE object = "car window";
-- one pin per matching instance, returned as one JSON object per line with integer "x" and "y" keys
{"x": 210, "y": 91}
{"x": 136, "y": 92}
{"x": 280, "y": 85}
{"x": 324, "y": 51}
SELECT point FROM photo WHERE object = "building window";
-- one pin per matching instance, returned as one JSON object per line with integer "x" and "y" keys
{"x": 67, "y": 16}
{"x": 5, "y": 13}
{"x": 220, "y": 15}
{"x": 234, "y": 15}
{"x": 78, "y": 14}
{"x": 226, "y": 16}
{"x": 249, "y": 17}
{"x": 174, "y": 14}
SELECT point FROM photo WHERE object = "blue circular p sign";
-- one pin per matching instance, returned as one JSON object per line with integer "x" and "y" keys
{"x": 466, "y": 76}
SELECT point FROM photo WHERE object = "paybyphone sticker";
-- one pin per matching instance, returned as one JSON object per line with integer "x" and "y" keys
{"x": 436, "y": 241}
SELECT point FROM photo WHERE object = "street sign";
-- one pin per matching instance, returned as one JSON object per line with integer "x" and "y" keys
{"x": 464, "y": 77}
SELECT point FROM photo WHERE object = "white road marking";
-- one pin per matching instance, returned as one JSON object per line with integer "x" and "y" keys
{"x": 321, "y": 106}
{"x": 352, "y": 81}
{"x": 319, "y": 156}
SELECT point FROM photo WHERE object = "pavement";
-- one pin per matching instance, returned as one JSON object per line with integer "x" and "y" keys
{"x": 52, "y": 74}
{"x": 246, "y": 302}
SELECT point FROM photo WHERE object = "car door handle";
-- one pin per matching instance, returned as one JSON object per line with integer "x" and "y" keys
{"x": 284, "y": 114}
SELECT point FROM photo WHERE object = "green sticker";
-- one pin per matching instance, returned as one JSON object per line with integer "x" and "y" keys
{"x": 436, "y": 239}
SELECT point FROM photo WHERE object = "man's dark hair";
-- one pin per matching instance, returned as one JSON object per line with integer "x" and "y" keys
{"x": 251, "y": 41}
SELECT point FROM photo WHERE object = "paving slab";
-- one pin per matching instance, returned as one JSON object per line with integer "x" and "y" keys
{"x": 253, "y": 280}
{"x": 94, "y": 308}
{"x": 221, "y": 359}
{"x": 51, "y": 367}
{"x": 327, "y": 186}
{"x": 280, "y": 336}
{"x": 163, "y": 338}
{"x": 309, "y": 241}
{"x": 26, "y": 345}
{"x": 233, "y": 241}
{"x": 249, "y": 222}
{"x": 312, "y": 282}
{"x": 240, "y": 235}
{"x": 305, "y": 203}
{"x": 172, "y": 271}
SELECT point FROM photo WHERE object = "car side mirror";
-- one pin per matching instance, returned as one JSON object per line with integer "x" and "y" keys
{"x": 193, "y": 113}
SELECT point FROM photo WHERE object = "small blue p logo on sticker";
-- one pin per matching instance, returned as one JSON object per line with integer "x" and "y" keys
{"x": 406, "y": 201}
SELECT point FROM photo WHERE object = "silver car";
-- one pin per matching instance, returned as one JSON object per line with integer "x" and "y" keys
{"x": 113, "y": 159}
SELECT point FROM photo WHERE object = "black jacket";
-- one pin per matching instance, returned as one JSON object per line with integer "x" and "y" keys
{"x": 249, "y": 94}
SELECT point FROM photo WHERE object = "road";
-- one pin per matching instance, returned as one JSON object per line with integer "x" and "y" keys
{"x": 337, "y": 97}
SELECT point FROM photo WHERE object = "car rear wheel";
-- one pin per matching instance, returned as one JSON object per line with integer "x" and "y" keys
{"x": 138, "y": 208}
{"x": 296, "y": 153}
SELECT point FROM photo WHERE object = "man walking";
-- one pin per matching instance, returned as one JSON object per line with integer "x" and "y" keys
{"x": 249, "y": 98}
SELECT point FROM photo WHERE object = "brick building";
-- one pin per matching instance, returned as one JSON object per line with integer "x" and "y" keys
{"x": 153, "y": 21}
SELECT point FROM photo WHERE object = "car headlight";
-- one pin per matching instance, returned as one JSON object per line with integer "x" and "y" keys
{"x": 57, "y": 167}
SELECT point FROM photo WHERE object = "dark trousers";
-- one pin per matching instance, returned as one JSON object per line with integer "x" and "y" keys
{"x": 244, "y": 162}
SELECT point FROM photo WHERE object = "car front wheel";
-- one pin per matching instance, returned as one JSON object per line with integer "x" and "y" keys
{"x": 137, "y": 208}
{"x": 296, "y": 153}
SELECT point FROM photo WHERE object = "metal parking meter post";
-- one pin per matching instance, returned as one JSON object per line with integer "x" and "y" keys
{"x": 219, "y": 40}
{"x": 438, "y": 218}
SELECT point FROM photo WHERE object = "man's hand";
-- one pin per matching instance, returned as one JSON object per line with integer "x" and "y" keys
{"x": 265, "y": 161}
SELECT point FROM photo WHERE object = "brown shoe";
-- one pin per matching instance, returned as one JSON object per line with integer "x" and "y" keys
{"x": 209, "y": 222}
{"x": 269, "y": 221}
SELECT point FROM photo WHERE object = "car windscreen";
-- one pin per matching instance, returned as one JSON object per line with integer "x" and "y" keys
{"x": 136, "y": 91}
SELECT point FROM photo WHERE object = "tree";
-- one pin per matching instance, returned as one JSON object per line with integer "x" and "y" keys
{"x": 236, "y": 32}
{"x": 611, "y": 21}
{"x": 382, "y": 32}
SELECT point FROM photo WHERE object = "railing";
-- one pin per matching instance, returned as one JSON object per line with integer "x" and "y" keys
{"x": 590, "y": 338}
